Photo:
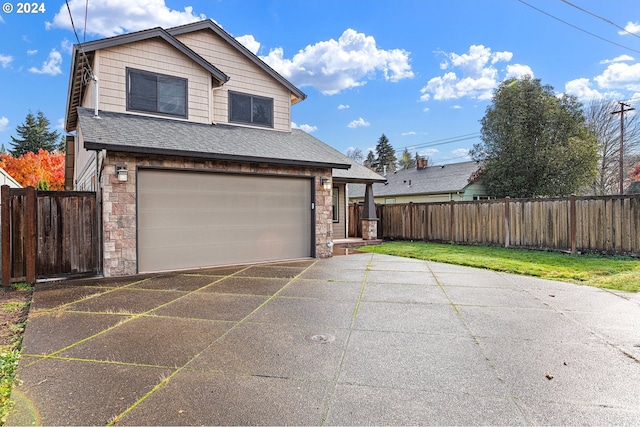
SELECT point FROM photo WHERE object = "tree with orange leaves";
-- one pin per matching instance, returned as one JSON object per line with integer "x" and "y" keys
{"x": 635, "y": 175}
{"x": 43, "y": 170}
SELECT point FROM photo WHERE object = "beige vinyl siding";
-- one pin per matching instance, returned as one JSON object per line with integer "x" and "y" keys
{"x": 154, "y": 56}
{"x": 84, "y": 165}
{"x": 340, "y": 227}
{"x": 246, "y": 77}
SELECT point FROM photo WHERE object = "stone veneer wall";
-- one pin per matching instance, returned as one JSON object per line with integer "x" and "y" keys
{"x": 119, "y": 203}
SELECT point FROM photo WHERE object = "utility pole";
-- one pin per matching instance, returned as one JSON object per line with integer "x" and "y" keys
{"x": 621, "y": 111}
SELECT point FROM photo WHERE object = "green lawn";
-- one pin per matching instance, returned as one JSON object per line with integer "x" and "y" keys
{"x": 612, "y": 272}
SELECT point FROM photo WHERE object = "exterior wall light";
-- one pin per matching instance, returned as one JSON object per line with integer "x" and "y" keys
{"x": 326, "y": 183}
{"x": 122, "y": 173}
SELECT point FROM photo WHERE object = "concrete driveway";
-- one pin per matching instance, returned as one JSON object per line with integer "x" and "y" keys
{"x": 360, "y": 339}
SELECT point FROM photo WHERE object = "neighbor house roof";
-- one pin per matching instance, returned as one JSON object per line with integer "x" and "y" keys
{"x": 356, "y": 173}
{"x": 441, "y": 179}
{"x": 6, "y": 179}
{"x": 151, "y": 135}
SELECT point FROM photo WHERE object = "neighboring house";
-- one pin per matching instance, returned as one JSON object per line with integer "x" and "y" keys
{"x": 425, "y": 184}
{"x": 6, "y": 179}
{"x": 186, "y": 137}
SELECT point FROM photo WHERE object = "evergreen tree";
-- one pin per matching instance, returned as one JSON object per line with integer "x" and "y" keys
{"x": 35, "y": 135}
{"x": 407, "y": 161}
{"x": 370, "y": 160}
{"x": 386, "y": 155}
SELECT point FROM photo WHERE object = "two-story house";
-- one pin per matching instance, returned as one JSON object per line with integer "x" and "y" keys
{"x": 186, "y": 137}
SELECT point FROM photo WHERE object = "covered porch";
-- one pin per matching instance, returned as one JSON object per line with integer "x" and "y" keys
{"x": 367, "y": 222}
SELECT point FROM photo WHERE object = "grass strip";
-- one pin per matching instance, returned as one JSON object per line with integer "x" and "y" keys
{"x": 612, "y": 272}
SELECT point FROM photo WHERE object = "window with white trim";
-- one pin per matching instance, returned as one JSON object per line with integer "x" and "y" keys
{"x": 335, "y": 204}
{"x": 156, "y": 93}
{"x": 251, "y": 109}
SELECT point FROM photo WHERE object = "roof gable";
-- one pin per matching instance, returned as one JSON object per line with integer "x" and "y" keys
{"x": 83, "y": 58}
{"x": 208, "y": 24}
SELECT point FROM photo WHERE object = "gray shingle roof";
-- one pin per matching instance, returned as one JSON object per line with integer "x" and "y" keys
{"x": 431, "y": 180}
{"x": 152, "y": 135}
{"x": 356, "y": 173}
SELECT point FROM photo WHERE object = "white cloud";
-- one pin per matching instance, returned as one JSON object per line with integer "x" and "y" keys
{"x": 4, "y": 122}
{"x": 426, "y": 109}
{"x": 66, "y": 46}
{"x": 461, "y": 152}
{"x": 457, "y": 107}
{"x": 358, "y": 123}
{"x": 306, "y": 128}
{"x": 477, "y": 77}
{"x": 620, "y": 76}
{"x": 518, "y": 71}
{"x": 631, "y": 27}
{"x": 112, "y": 17}
{"x": 428, "y": 152}
{"x": 343, "y": 107}
{"x": 408, "y": 133}
{"x": 335, "y": 65}
{"x": 581, "y": 89}
{"x": 620, "y": 58}
{"x": 51, "y": 66}
{"x": 32, "y": 52}
{"x": 60, "y": 123}
{"x": 1, "y": 20}
{"x": 250, "y": 43}
{"x": 5, "y": 60}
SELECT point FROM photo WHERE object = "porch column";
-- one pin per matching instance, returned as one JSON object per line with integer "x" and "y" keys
{"x": 369, "y": 219}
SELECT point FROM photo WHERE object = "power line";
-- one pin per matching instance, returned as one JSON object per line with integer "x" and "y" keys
{"x": 86, "y": 12}
{"x": 600, "y": 17}
{"x": 443, "y": 141}
{"x": 578, "y": 28}
{"x": 73, "y": 26}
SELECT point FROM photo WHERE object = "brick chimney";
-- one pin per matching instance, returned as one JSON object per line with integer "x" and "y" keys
{"x": 421, "y": 163}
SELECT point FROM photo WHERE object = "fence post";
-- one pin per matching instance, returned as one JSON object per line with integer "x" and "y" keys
{"x": 507, "y": 228}
{"x": 452, "y": 220}
{"x": 30, "y": 237}
{"x": 410, "y": 221}
{"x": 572, "y": 221}
{"x": 5, "y": 200}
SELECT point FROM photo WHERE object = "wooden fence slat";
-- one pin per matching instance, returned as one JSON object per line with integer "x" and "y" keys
{"x": 608, "y": 224}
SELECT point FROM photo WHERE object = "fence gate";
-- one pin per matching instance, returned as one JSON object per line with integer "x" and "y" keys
{"x": 48, "y": 234}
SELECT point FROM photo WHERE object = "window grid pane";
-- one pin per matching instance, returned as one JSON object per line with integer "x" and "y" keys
{"x": 156, "y": 93}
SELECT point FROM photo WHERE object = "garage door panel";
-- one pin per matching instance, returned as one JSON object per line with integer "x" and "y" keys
{"x": 190, "y": 219}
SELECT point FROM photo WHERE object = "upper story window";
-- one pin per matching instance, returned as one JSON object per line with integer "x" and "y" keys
{"x": 156, "y": 93}
{"x": 252, "y": 109}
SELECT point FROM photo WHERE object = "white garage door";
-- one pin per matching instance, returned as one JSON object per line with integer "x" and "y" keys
{"x": 198, "y": 219}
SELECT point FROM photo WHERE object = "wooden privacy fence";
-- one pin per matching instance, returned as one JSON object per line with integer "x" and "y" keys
{"x": 47, "y": 234}
{"x": 606, "y": 224}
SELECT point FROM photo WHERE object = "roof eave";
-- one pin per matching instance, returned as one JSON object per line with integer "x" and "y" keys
{"x": 89, "y": 145}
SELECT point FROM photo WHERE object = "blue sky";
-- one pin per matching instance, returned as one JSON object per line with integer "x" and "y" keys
{"x": 420, "y": 71}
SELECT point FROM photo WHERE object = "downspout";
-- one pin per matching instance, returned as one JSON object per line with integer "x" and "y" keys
{"x": 95, "y": 102}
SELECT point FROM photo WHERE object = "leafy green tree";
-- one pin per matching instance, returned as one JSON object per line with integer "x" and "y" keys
{"x": 35, "y": 135}
{"x": 535, "y": 143}
{"x": 386, "y": 155}
{"x": 370, "y": 160}
{"x": 406, "y": 160}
